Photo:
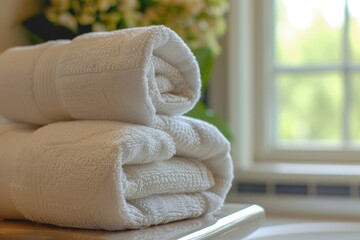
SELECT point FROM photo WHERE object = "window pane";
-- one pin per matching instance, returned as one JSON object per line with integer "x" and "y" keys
{"x": 354, "y": 10}
{"x": 309, "y": 108}
{"x": 355, "y": 109}
{"x": 308, "y": 31}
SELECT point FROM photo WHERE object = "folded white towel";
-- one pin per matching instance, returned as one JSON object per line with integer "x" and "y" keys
{"x": 112, "y": 175}
{"x": 127, "y": 75}
{"x": 12, "y": 139}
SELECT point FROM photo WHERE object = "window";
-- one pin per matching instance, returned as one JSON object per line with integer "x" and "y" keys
{"x": 304, "y": 101}
{"x": 315, "y": 72}
{"x": 294, "y": 105}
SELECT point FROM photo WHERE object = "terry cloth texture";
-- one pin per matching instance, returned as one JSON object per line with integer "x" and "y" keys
{"x": 112, "y": 175}
{"x": 131, "y": 75}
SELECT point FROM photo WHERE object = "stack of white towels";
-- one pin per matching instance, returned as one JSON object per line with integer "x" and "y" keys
{"x": 97, "y": 139}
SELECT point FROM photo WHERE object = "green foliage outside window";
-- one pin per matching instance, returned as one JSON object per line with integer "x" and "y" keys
{"x": 310, "y": 104}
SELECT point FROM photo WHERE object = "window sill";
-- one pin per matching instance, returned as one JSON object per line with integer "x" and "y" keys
{"x": 300, "y": 189}
{"x": 301, "y": 172}
{"x": 301, "y": 206}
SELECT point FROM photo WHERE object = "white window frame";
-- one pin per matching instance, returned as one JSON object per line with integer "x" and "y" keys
{"x": 247, "y": 71}
{"x": 253, "y": 162}
{"x": 266, "y": 151}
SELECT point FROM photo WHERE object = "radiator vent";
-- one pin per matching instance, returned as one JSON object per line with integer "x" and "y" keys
{"x": 321, "y": 189}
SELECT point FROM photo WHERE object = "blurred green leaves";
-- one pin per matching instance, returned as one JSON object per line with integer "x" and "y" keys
{"x": 206, "y": 59}
{"x": 200, "y": 111}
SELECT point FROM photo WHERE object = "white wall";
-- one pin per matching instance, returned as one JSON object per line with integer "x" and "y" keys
{"x": 11, "y": 14}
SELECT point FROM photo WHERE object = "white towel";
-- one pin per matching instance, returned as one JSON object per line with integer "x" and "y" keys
{"x": 12, "y": 139}
{"x": 129, "y": 75}
{"x": 112, "y": 175}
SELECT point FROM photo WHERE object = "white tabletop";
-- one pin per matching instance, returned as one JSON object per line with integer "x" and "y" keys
{"x": 233, "y": 221}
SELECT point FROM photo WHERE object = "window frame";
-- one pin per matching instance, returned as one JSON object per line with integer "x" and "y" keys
{"x": 249, "y": 69}
{"x": 345, "y": 68}
{"x": 252, "y": 164}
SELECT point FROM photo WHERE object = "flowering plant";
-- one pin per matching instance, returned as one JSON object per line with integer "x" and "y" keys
{"x": 198, "y": 22}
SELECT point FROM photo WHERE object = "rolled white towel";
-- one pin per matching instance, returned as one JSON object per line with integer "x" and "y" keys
{"x": 114, "y": 176}
{"x": 129, "y": 75}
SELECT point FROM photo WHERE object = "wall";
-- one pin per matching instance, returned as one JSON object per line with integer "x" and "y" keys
{"x": 11, "y": 14}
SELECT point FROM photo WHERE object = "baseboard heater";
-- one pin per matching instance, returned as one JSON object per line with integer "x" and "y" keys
{"x": 280, "y": 188}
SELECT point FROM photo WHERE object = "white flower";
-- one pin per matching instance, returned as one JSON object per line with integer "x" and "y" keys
{"x": 98, "y": 27}
{"x": 104, "y": 5}
{"x": 62, "y": 5}
{"x": 86, "y": 19}
{"x": 198, "y": 22}
{"x": 51, "y": 14}
{"x": 67, "y": 20}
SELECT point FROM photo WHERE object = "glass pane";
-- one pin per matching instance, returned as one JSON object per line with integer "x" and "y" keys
{"x": 354, "y": 10}
{"x": 309, "y": 108}
{"x": 355, "y": 109}
{"x": 308, "y": 31}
